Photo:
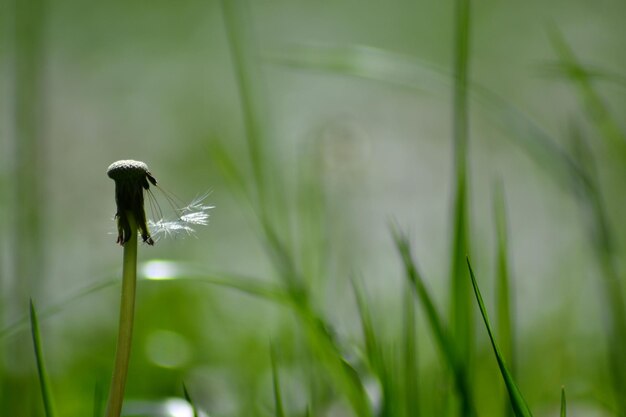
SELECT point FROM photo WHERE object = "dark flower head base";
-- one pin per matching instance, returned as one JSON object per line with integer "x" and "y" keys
{"x": 131, "y": 179}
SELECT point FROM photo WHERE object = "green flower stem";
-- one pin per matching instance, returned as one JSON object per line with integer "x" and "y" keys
{"x": 127, "y": 313}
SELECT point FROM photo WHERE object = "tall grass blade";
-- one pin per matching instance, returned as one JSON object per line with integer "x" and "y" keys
{"x": 237, "y": 29}
{"x": 375, "y": 353}
{"x": 23, "y": 42}
{"x": 410, "y": 380}
{"x": 443, "y": 339}
{"x": 595, "y": 107}
{"x": 278, "y": 401}
{"x": 603, "y": 241}
{"x": 44, "y": 380}
{"x": 563, "y": 403}
{"x": 98, "y": 400}
{"x": 505, "y": 325}
{"x": 194, "y": 409}
{"x": 517, "y": 400}
{"x": 460, "y": 301}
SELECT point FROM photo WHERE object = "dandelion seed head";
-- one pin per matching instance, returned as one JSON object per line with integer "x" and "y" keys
{"x": 131, "y": 179}
{"x": 127, "y": 169}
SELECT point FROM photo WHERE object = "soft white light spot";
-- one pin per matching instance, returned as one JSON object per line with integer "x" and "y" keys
{"x": 159, "y": 270}
{"x": 176, "y": 407}
{"x": 167, "y": 349}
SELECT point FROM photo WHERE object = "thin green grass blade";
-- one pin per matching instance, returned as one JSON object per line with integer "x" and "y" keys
{"x": 237, "y": 31}
{"x": 190, "y": 401}
{"x": 278, "y": 401}
{"x": 98, "y": 400}
{"x": 603, "y": 241}
{"x": 504, "y": 309}
{"x": 410, "y": 373}
{"x": 372, "y": 348}
{"x": 44, "y": 380}
{"x": 562, "y": 70}
{"x": 375, "y": 355}
{"x": 460, "y": 295}
{"x": 443, "y": 339}
{"x": 563, "y": 403}
{"x": 517, "y": 400}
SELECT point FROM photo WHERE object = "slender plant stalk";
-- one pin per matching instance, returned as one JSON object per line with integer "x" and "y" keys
{"x": 505, "y": 316}
{"x": 460, "y": 297}
{"x": 190, "y": 401}
{"x": 127, "y": 314}
{"x": 520, "y": 408}
{"x": 44, "y": 380}
{"x": 278, "y": 401}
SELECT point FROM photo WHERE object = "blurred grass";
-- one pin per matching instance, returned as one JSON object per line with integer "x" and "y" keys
{"x": 278, "y": 401}
{"x": 190, "y": 401}
{"x": 505, "y": 323}
{"x": 445, "y": 343}
{"x": 44, "y": 379}
{"x": 98, "y": 400}
{"x": 409, "y": 382}
{"x": 461, "y": 317}
{"x": 293, "y": 226}
{"x": 594, "y": 106}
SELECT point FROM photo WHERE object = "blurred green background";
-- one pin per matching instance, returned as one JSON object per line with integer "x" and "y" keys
{"x": 318, "y": 124}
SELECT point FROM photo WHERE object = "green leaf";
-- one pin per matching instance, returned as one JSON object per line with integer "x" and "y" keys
{"x": 98, "y": 400}
{"x": 44, "y": 380}
{"x": 517, "y": 400}
{"x": 278, "y": 402}
{"x": 442, "y": 337}
{"x": 375, "y": 353}
{"x": 410, "y": 367}
{"x": 563, "y": 403}
{"x": 190, "y": 401}
{"x": 505, "y": 324}
{"x": 460, "y": 294}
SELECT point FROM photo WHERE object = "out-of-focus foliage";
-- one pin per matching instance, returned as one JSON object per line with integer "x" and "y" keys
{"x": 314, "y": 125}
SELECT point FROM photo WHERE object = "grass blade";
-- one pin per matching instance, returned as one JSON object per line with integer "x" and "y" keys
{"x": 410, "y": 369}
{"x": 98, "y": 399}
{"x": 505, "y": 323}
{"x": 595, "y": 107}
{"x": 603, "y": 241}
{"x": 237, "y": 29}
{"x": 190, "y": 401}
{"x": 44, "y": 380}
{"x": 517, "y": 400}
{"x": 563, "y": 403}
{"x": 374, "y": 350}
{"x": 278, "y": 402}
{"x": 442, "y": 337}
{"x": 460, "y": 299}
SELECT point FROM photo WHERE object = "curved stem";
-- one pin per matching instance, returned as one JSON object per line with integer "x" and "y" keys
{"x": 125, "y": 332}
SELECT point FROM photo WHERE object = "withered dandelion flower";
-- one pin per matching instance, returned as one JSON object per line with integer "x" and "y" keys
{"x": 131, "y": 179}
